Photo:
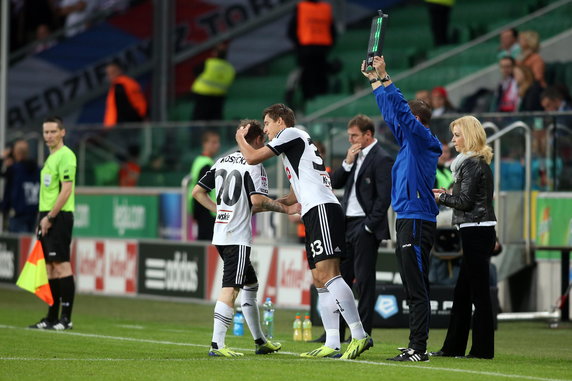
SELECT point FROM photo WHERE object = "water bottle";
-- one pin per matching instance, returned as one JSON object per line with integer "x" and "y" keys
{"x": 307, "y": 328}
{"x": 238, "y": 320}
{"x": 268, "y": 318}
{"x": 297, "y": 328}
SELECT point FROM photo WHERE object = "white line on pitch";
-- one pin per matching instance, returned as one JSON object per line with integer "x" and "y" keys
{"x": 91, "y": 335}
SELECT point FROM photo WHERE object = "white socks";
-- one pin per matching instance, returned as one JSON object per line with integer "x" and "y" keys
{"x": 344, "y": 299}
{"x": 250, "y": 311}
{"x": 222, "y": 319}
{"x": 330, "y": 318}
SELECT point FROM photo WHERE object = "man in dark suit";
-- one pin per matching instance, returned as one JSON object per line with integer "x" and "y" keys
{"x": 365, "y": 176}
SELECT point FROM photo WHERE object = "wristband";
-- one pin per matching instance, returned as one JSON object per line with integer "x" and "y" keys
{"x": 374, "y": 80}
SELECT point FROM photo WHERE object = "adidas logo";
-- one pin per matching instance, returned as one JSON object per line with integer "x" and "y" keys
{"x": 337, "y": 249}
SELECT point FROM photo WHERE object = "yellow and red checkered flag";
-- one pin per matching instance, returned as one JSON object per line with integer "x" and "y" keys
{"x": 34, "y": 276}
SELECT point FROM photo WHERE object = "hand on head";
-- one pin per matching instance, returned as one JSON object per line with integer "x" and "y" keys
{"x": 241, "y": 132}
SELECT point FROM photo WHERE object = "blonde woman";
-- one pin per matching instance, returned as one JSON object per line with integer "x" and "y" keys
{"x": 529, "y": 42}
{"x": 473, "y": 214}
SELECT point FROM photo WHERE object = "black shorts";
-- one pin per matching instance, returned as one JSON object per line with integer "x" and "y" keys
{"x": 237, "y": 269}
{"x": 325, "y": 233}
{"x": 56, "y": 244}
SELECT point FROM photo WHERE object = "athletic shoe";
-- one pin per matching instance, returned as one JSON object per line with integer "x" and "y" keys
{"x": 224, "y": 352}
{"x": 63, "y": 324}
{"x": 357, "y": 347}
{"x": 408, "y": 354}
{"x": 42, "y": 324}
{"x": 267, "y": 347}
{"x": 323, "y": 352}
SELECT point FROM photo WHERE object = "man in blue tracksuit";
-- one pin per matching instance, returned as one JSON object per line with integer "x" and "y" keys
{"x": 413, "y": 177}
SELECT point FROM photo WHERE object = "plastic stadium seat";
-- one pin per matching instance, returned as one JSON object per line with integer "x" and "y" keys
{"x": 272, "y": 87}
{"x": 282, "y": 65}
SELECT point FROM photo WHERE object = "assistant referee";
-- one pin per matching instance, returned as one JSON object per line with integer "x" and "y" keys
{"x": 57, "y": 186}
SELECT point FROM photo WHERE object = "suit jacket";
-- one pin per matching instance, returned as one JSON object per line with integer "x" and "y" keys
{"x": 373, "y": 188}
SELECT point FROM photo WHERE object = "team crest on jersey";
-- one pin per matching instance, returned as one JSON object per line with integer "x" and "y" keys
{"x": 47, "y": 179}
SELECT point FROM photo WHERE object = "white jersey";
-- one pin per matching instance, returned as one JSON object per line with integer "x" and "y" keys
{"x": 235, "y": 181}
{"x": 304, "y": 167}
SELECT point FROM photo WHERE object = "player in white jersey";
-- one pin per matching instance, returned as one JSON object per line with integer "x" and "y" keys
{"x": 323, "y": 219}
{"x": 241, "y": 189}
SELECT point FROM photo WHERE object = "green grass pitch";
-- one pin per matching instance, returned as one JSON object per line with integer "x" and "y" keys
{"x": 145, "y": 339}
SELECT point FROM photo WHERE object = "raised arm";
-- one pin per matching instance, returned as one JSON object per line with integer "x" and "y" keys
{"x": 396, "y": 110}
{"x": 383, "y": 103}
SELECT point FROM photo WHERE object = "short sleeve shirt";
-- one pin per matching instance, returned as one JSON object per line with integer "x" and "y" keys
{"x": 304, "y": 167}
{"x": 235, "y": 181}
{"x": 59, "y": 167}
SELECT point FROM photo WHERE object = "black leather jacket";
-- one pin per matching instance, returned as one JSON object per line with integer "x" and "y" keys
{"x": 472, "y": 198}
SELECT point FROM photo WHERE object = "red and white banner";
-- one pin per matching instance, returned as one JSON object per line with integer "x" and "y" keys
{"x": 294, "y": 277}
{"x": 106, "y": 266}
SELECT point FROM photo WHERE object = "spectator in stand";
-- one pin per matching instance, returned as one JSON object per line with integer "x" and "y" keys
{"x": 557, "y": 98}
{"x": 424, "y": 95}
{"x": 26, "y": 16}
{"x": 528, "y": 89}
{"x": 130, "y": 169}
{"x": 312, "y": 30}
{"x": 125, "y": 100}
{"x": 21, "y": 190}
{"x": 43, "y": 41}
{"x": 440, "y": 102}
{"x": 214, "y": 78}
{"x": 509, "y": 46}
{"x": 530, "y": 44}
{"x": 77, "y": 13}
{"x": 506, "y": 96}
{"x": 443, "y": 175}
{"x": 439, "y": 13}
{"x": 553, "y": 99}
